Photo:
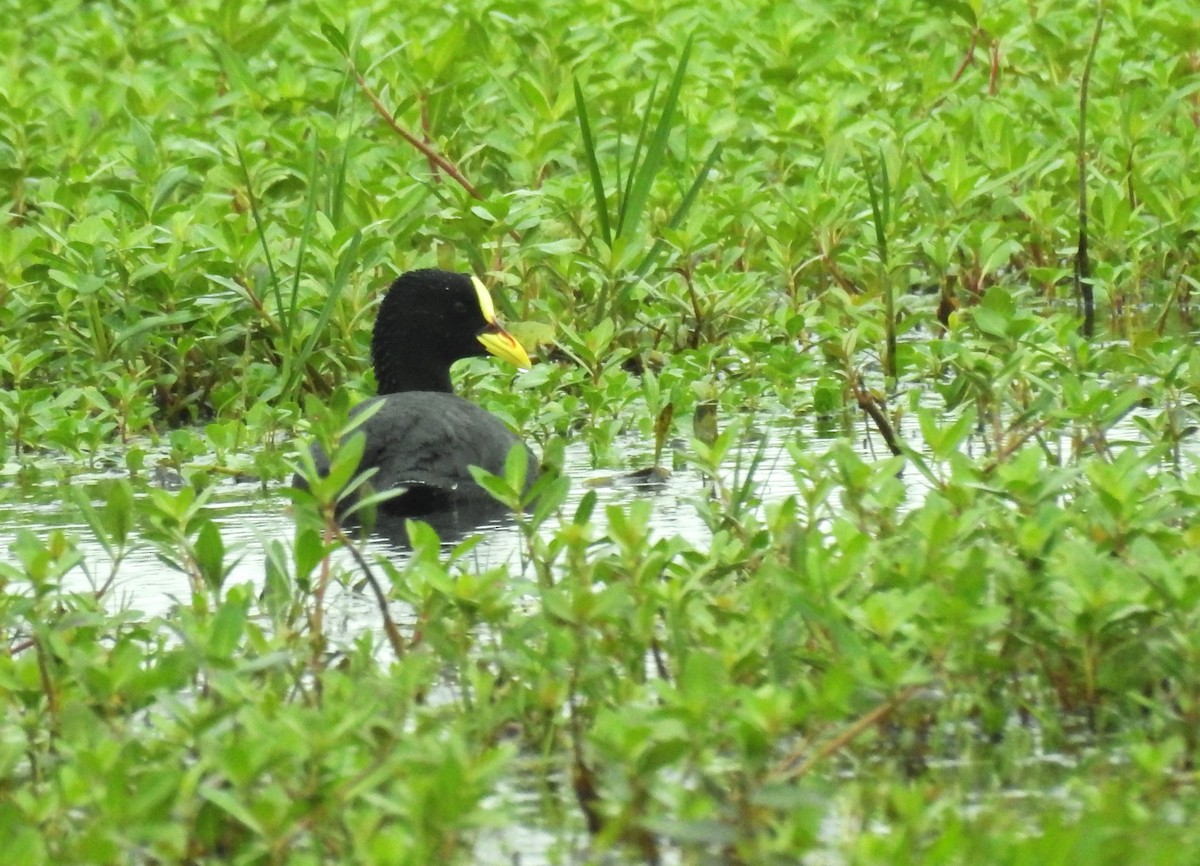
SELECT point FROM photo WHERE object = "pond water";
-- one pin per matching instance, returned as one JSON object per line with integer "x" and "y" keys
{"x": 249, "y": 518}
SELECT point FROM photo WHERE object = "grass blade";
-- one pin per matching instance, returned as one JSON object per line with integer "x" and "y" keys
{"x": 887, "y": 201}
{"x": 681, "y": 212}
{"x": 335, "y": 203}
{"x": 640, "y": 183}
{"x": 877, "y": 216}
{"x": 634, "y": 161}
{"x": 589, "y": 152}
{"x": 689, "y": 198}
{"x": 258, "y": 227}
{"x": 310, "y": 211}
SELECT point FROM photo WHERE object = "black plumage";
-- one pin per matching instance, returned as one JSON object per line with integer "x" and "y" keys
{"x": 422, "y": 437}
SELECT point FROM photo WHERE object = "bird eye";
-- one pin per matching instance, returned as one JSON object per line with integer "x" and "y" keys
{"x": 460, "y": 308}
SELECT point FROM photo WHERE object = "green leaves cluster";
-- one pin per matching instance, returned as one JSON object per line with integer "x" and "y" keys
{"x": 189, "y": 232}
{"x": 830, "y": 226}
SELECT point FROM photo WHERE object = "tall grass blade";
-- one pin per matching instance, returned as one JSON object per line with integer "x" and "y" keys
{"x": 635, "y": 160}
{"x": 878, "y": 215}
{"x": 641, "y": 182}
{"x": 690, "y": 196}
{"x": 589, "y": 152}
{"x": 310, "y": 211}
{"x": 681, "y": 212}
{"x": 887, "y": 204}
{"x": 258, "y": 227}
{"x": 335, "y": 203}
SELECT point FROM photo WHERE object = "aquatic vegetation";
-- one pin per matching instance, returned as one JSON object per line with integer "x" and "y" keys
{"x": 828, "y": 245}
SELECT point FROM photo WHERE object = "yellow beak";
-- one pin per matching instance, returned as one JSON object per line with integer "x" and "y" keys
{"x": 495, "y": 339}
{"x": 504, "y": 345}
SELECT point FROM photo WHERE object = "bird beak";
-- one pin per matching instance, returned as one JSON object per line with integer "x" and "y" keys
{"x": 495, "y": 339}
{"x": 504, "y": 345}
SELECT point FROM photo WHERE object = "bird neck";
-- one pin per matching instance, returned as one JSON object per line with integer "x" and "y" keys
{"x": 397, "y": 376}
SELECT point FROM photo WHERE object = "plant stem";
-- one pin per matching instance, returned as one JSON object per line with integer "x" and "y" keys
{"x": 1083, "y": 270}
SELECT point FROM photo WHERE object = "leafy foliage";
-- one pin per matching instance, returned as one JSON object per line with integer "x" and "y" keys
{"x": 832, "y": 225}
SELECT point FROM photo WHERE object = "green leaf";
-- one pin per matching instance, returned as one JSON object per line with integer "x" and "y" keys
{"x": 118, "y": 509}
{"x": 498, "y": 488}
{"x": 228, "y": 626}
{"x": 210, "y": 555}
{"x": 307, "y": 550}
{"x": 516, "y": 463}
{"x": 587, "y": 505}
{"x": 344, "y": 463}
{"x": 167, "y": 184}
{"x": 224, "y": 800}
{"x": 335, "y": 37}
{"x": 549, "y": 494}
{"x": 422, "y": 536}
{"x": 159, "y": 323}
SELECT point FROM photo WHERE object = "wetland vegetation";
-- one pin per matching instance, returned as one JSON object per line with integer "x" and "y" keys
{"x": 838, "y": 243}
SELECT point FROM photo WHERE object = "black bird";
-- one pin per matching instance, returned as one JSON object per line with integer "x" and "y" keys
{"x": 422, "y": 437}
